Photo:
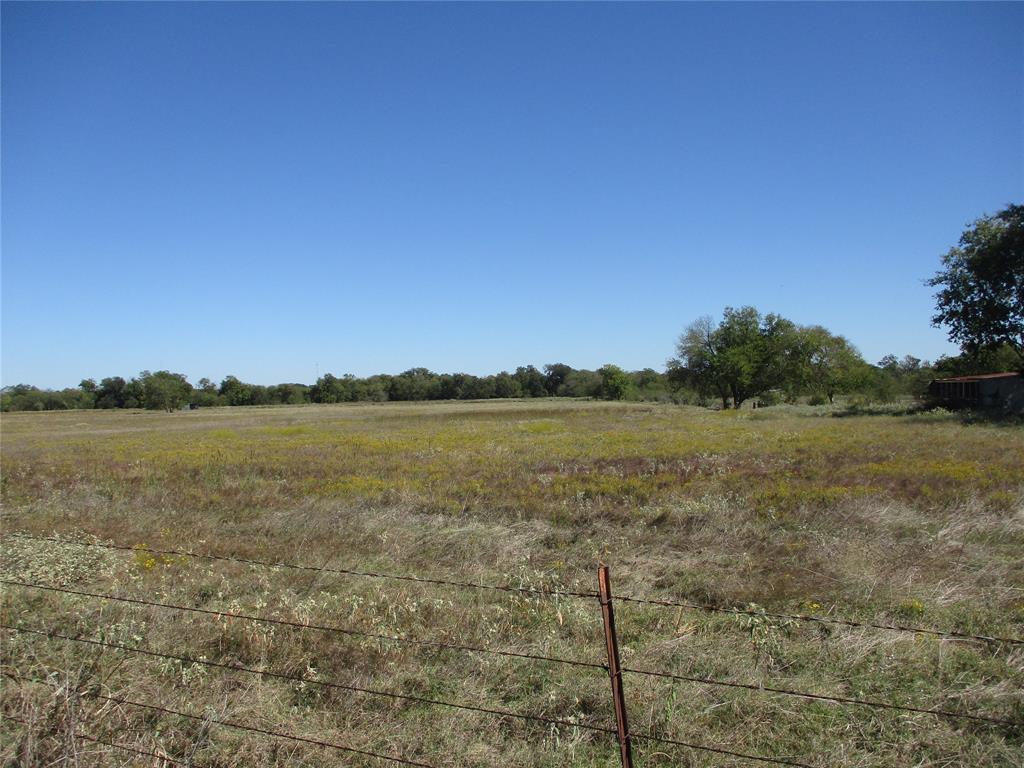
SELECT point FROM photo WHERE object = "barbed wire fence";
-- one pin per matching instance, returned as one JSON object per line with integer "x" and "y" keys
{"x": 620, "y": 731}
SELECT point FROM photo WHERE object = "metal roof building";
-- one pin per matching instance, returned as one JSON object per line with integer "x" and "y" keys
{"x": 985, "y": 390}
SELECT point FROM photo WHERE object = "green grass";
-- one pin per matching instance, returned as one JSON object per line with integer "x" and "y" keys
{"x": 878, "y": 518}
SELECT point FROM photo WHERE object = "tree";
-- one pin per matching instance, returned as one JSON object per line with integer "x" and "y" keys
{"x": 615, "y": 382}
{"x": 290, "y": 394}
{"x": 164, "y": 390}
{"x": 894, "y": 376}
{"x": 22, "y": 397}
{"x": 235, "y": 392}
{"x": 205, "y": 394}
{"x": 648, "y": 384}
{"x": 347, "y": 389}
{"x": 697, "y": 364}
{"x": 111, "y": 393}
{"x": 981, "y": 300}
{"x": 326, "y": 390}
{"x": 990, "y": 360}
{"x": 506, "y": 385}
{"x": 828, "y": 365}
{"x": 415, "y": 384}
{"x": 555, "y": 375}
{"x": 581, "y": 383}
{"x": 531, "y": 381}
{"x": 478, "y": 388}
{"x": 456, "y": 386}
{"x": 87, "y": 396}
{"x": 745, "y": 355}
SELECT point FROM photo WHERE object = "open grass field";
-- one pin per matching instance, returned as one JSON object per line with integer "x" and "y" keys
{"x": 913, "y": 520}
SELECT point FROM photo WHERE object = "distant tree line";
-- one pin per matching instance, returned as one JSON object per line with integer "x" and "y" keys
{"x": 164, "y": 390}
{"x": 744, "y": 357}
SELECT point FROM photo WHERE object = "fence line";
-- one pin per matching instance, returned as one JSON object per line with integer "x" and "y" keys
{"x": 308, "y": 681}
{"x": 720, "y": 751}
{"x": 125, "y": 747}
{"x": 643, "y": 736}
{"x": 302, "y": 625}
{"x": 534, "y": 657}
{"x": 822, "y": 620}
{"x": 952, "y": 634}
{"x": 316, "y": 568}
{"x": 603, "y": 596}
{"x": 250, "y": 728}
{"x": 418, "y": 699}
{"x": 824, "y": 697}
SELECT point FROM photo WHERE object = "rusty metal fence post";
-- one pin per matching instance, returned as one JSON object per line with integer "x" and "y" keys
{"x": 604, "y": 591}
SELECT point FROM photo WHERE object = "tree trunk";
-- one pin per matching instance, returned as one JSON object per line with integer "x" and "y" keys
{"x": 737, "y": 401}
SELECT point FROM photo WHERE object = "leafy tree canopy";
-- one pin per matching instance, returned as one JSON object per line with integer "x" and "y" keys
{"x": 981, "y": 296}
{"x": 615, "y": 382}
{"x": 164, "y": 390}
{"x": 749, "y": 354}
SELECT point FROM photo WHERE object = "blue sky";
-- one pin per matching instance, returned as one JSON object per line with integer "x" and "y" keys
{"x": 264, "y": 189}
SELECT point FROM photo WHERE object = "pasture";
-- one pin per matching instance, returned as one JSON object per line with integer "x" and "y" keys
{"x": 910, "y": 520}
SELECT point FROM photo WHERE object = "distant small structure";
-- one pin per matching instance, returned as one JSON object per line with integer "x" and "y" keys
{"x": 985, "y": 390}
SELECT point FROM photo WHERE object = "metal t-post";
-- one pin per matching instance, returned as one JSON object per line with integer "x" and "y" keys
{"x": 604, "y": 588}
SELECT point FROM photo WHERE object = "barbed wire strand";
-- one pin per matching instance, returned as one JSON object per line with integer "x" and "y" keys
{"x": 316, "y": 568}
{"x": 546, "y": 592}
{"x": 229, "y": 724}
{"x": 308, "y": 681}
{"x": 823, "y": 697}
{"x": 649, "y": 673}
{"x": 660, "y": 739}
{"x": 719, "y": 751}
{"x": 303, "y": 625}
{"x": 253, "y": 729}
{"x": 646, "y": 672}
{"x": 115, "y": 745}
{"x": 819, "y": 620}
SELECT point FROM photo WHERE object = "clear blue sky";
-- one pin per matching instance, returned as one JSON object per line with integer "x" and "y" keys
{"x": 258, "y": 189}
